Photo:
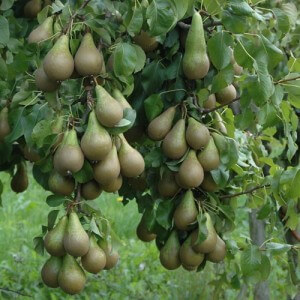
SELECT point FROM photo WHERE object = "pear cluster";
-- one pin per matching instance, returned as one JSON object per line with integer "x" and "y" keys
{"x": 72, "y": 251}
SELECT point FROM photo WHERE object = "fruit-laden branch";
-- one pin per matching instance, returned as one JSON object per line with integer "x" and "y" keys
{"x": 185, "y": 26}
{"x": 207, "y": 111}
{"x": 15, "y": 292}
{"x": 286, "y": 80}
{"x": 246, "y": 192}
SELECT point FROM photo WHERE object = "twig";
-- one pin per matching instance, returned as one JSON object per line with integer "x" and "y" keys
{"x": 15, "y": 292}
{"x": 246, "y": 192}
{"x": 207, "y": 111}
{"x": 286, "y": 80}
{"x": 185, "y": 26}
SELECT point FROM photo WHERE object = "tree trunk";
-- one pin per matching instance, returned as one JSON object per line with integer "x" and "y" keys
{"x": 257, "y": 233}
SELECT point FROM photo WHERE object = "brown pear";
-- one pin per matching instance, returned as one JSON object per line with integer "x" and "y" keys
{"x": 188, "y": 256}
{"x": 61, "y": 185}
{"x": 43, "y": 32}
{"x": 167, "y": 186}
{"x": 4, "y": 125}
{"x": 197, "y": 135}
{"x": 174, "y": 144}
{"x": 112, "y": 256}
{"x": 219, "y": 252}
{"x": 19, "y": 182}
{"x": 90, "y": 190}
{"x": 32, "y": 8}
{"x": 43, "y": 82}
{"x": 210, "y": 103}
{"x": 208, "y": 184}
{"x": 114, "y": 185}
{"x": 143, "y": 233}
{"x": 145, "y": 41}
{"x": 209, "y": 158}
{"x": 161, "y": 125}
{"x": 226, "y": 95}
{"x": 50, "y": 270}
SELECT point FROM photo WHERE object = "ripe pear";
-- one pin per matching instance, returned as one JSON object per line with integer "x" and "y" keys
{"x": 208, "y": 184}
{"x": 54, "y": 238}
{"x": 131, "y": 161}
{"x": 174, "y": 144}
{"x": 58, "y": 63}
{"x": 219, "y": 252}
{"x": 161, "y": 125}
{"x": 32, "y": 8}
{"x": 68, "y": 157}
{"x": 188, "y": 256}
{"x": 43, "y": 82}
{"x": 195, "y": 61}
{"x": 88, "y": 60}
{"x": 114, "y": 185}
{"x": 95, "y": 260}
{"x": 19, "y": 182}
{"x": 96, "y": 142}
{"x": 210, "y": 242}
{"x": 210, "y": 103}
{"x": 209, "y": 158}
{"x": 121, "y": 99}
{"x": 226, "y": 94}
{"x": 43, "y": 32}
{"x": 145, "y": 41}
{"x": 197, "y": 135}
{"x": 90, "y": 190}
{"x": 167, "y": 186}
{"x": 169, "y": 253}
{"x": 108, "y": 169}
{"x": 190, "y": 172}
{"x": 71, "y": 277}
{"x": 4, "y": 125}
{"x": 143, "y": 233}
{"x": 61, "y": 185}
{"x": 189, "y": 268}
{"x": 112, "y": 256}
{"x": 186, "y": 212}
{"x": 50, "y": 270}
{"x": 76, "y": 240}
{"x": 109, "y": 112}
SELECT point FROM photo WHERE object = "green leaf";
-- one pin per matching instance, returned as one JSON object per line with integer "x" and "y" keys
{"x": 4, "y": 29}
{"x": 39, "y": 245}
{"x": 141, "y": 58}
{"x": 6, "y": 4}
{"x": 3, "y": 69}
{"x": 295, "y": 182}
{"x": 153, "y": 106}
{"x": 283, "y": 21}
{"x": 250, "y": 260}
{"x": 125, "y": 124}
{"x": 214, "y": 7}
{"x": 85, "y": 174}
{"x": 135, "y": 22}
{"x": 222, "y": 79}
{"x": 41, "y": 130}
{"x": 202, "y": 229}
{"x": 277, "y": 248}
{"x": 181, "y": 8}
{"x": 52, "y": 216}
{"x": 152, "y": 77}
{"x": 55, "y": 200}
{"x": 234, "y": 23}
{"x": 125, "y": 59}
{"x": 164, "y": 213}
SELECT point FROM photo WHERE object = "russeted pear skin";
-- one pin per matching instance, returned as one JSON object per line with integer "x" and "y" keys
{"x": 19, "y": 181}
{"x": 121, "y": 99}
{"x": 43, "y": 32}
{"x": 197, "y": 135}
{"x": 195, "y": 61}
{"x": 209, "y": 243}
{"x": 186, "y": 212}
{"x": 167, "y": 186}
{"x": 76, "y": 240}
{"x": 95, "y": 260}
{"x": 50, "y": 270}
{"x": 32, "y": 8}
{"x": 210, "y": 103}
{"x": 114, "y": 185}
{"x": 43, "y": 82}
{"x": 71, "y": 277}
{"x": 190, "y": 172}
{"x": 143, "y": 233}
{"x": 145, "y": 41}
{"x": 90, "y": 190}
{"x": 219, "y": 252}
{"x": 58, "y": 63}
{"x": 188, "y": 256}
{"x": 208, "y": 184}
{"x": 209, "y": 158}
{"x": 4, "y": 125}
{"x": 226, "y": 95}
{"x": 174, "y": 144}
{"x": 61, "y": 185}
{"x": 109, "y": 112}
{"x": 54, "y": 238}
{"x": 131, "y": 161}
{"x": 88, "y": 60}
{"x": 108, "y": 169}
{"x": 96, "y": 142}
{"x": 169, "y": 253}
{"x": 161, "y": 125}
{"x": 112, "y": 256}
{"x": 68, "y": 157}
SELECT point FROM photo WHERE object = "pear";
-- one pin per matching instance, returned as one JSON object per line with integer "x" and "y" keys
{"x": 88, "y": 60}
{"x": 71, "y": 277}
{"x": 109, "y": 112}
{"x": 90, "y": 190}
{"x": 208, "y": 184}
{"x": 188, "y": 256}
{"x": 179, "y": 183}
{"x": 43, "y": 32}
{"x": 161, "y": 125}
{"x": 167, "y": 186}
{"x": 76, "y": 240}
{"x": 19, "y": 182}
{"x": 143, "y": 233}
{"x": 226, "y": 95}
{"x": 112, "y": 256}
{"x": 219, "y": 123}
{"x": 32, "y": 8}
{"x": 209, "y": 243}
{"x": 238, "y": 70}
{"x": 4, "y": 125}
{"x": 47, "y": 2}
{"x": 195, "y": 61}
{"x": 145, "y": 41}
{"x": 169, "y": 253}
{"x": 30, "y": 154}
{"x": 108, "y": 169}
{"x": 50, "y": 271}
{"x": 121, "y": 99}
{"x": 58, "y": 63}
{"x": 95, "y": 260}
{"x": 43, "y": 82}
{"x": 174, "y": 144}
{"x": 190, "y": 172}
{"x": 197, "y": 135}
{"x": 219, "y": 252}
{"x": 54, "y": 238}
{"x": 68, "y": 157}
{"x": 209, "y": 158}
{"x": 61, "y": 185}
{"x": 114, "y": 185}
{"x": 210, "y": 103}
{"x": 57, "y": 129}
{"x": 131, "y": 161}
{"x": 186, "y": 212}
{"x": 189, "y": 268}
{"x": 96, "y": 142}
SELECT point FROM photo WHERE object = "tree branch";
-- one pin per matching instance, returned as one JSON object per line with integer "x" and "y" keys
{"x": 207, "y": 111}
{"x": 185, "y": 26}
{"x": 15, "y": 292}
{"x": 246, "y": 192}
{"x": 286, "y": 80}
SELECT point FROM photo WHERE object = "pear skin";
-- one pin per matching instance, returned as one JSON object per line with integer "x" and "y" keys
{"x": 226, "y": 95}
{"x": 19, "y": 182}
{"x": 4, "y": 125}
{"x": 197, "y": 135}
{"x": 219, "y": 123}
{"x": 121, "y": 99}
{"x": 112, "y": 256}
{"x": 145, "y": 41}
{"x": 32, "y": 8}
{"x": 61, "y": 185}
{"x": 188, "y": 256}
{"x": 43, "y": 82}
{"x": 50, "y": 271}
{"x": 208, "y": 184}
{"x": 210, "y": 103}
{"x": 143, "y": 233}
{"x": 43, "y": 32}
{"x": 209, "y": 158}
{"x": 219, "y": 252}
{"x": 90, "y": 190}
{"x": 114, "y": 185}
{"x": 167, "y": 186}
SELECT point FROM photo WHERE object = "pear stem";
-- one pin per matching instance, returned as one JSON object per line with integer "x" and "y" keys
{"x": 207, "y": 111}
{"x": 245, "y": 192}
